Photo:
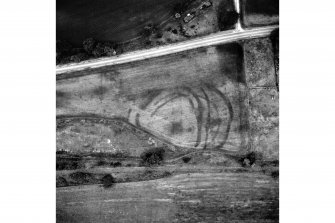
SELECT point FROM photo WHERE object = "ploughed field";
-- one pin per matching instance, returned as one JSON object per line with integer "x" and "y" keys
{"x": 129, "y": 25}
{"x": 109, "y": 20}
{"x": 194, "y": 197}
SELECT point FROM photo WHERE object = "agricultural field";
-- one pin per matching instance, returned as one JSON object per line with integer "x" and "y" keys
{"x": 186, "y": 137}
{"x": 192, "y": 197}
{"x": 181, "y": 98}
{"x": 91, "y": 29}
{"x": 259, "y": 12}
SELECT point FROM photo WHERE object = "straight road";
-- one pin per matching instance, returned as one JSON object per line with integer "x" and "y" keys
{"x": 210, "y": 40}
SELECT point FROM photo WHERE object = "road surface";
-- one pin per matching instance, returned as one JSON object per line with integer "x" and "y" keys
{"x": 210, "y": 40}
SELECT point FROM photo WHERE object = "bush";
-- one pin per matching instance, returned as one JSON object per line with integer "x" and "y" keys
{"x": 251, "y": 158}
{"x": 61, "y": 182}
{"x": 101, "y": 163}
{"x": 186, "y": 159}
{"x": 153, "y": 175}
{"x": 68, "y": 163}
{"x": 153, "y": 156}
{"x": 227, "y": 16}
{"x": 275, "y": 174}
{"x": 118, "y": 154}
{"x": 116, "y": 164}
{"x": 89, "y": 45}
{"x": 82, "y": 178}
{"x": 107, "y": 181}
{"x": 227, "y": 20}
{"x": 79, "y": 57}
{"x": 98, "y": 49}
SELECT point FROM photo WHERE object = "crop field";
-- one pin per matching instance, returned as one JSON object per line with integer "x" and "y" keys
{"x": 259, "y": 12}
{"x": 132, "y": 25}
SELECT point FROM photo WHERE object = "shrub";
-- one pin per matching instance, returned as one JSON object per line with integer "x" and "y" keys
{"x": 101, "y": 163}
{"x": 116, "y": 164}
{"x": 186, "y": 159}
{"x": 107, "y": 181}
{"x": 227, "y": 19}
{"x": 82, "y": 177}
{"x": 61, "y": 151}
{"x": 118, "y": 154}
{"x": 70, "y": 163}
{"x": 61, "y": 182}
{"x": 251, "y": 158}
{"x": 98, "y": 49}
{"x": 275, "y": 174}
{"x": 152, "y": 175}
{"x": 152, "y": 156}
{"x": 89, "y": 45}
{"x": 254, "y": 157}
{"x": 227, "y": 16}
{"x": 79, "y": 57}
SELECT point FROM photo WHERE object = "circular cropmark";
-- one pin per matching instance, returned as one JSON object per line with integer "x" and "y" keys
{"x": 192, "y": 118}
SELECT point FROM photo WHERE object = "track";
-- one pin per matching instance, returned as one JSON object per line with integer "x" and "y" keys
{"x": 210, "y": 40}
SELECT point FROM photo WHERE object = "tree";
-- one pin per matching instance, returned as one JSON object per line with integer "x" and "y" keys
{"x": 227, "y": 19}
{"x": 152, "y": 157}
{"x": 107, "y": 181}
{"x": 89, "y": 45}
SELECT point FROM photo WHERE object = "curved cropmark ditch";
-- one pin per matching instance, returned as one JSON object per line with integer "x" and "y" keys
{"x": 192, "y": 118}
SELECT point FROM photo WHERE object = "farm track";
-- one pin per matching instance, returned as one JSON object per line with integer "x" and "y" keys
{"x": 96, "y": 118}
